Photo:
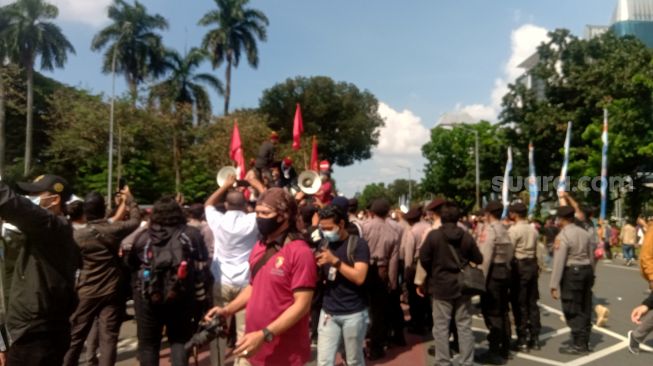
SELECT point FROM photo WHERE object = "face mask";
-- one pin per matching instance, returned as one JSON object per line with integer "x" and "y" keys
{"x": 267, "y": 226}
{"x": 331, "y": 236}
{"x": 35, "y": 200}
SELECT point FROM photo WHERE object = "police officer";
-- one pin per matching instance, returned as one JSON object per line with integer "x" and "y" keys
{"x": 572, "y": 279}
{"x": 497, "y": 250}
{"x": 523, "y": 291}
{"x": 42, "y": 296}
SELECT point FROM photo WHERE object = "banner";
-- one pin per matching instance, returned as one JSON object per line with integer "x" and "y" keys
{"x": 504, "y": 189}
{"x": 604, "y": 166}
{"x": 562, "y": 184}
{"x": 297, "y": 129}
{"x": 532, "y": 182}
{"x": 236, "y": 152}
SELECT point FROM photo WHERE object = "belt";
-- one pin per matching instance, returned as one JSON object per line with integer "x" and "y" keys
{"x": 526, "y": 259}
{"x": 579, "y": 266}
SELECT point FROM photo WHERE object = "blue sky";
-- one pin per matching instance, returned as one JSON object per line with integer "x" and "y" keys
{"x": 421, "y": 58}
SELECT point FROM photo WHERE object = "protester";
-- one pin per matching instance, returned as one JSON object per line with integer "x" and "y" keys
{"x": 643, "y": 317}
{"x": 235, "y": 234}
{"x": 168, "y": 262}
{"x": 196, "y": 218}
{"x": 646, "y": 256}
{"x": 40, "y": 304}
{"x": 266, "y": 158}
{"x": 524, "y": 287}
{"x": 497, "y": 249}
{"x": 383, "y": 242}
{"x": 344, "y": 261}
{"x": 550, "y": 232}
{"x": 288, "y": 173}
{"x": 100, "y": 284}
{"x": 282, "y": 278}
{"x": 572, "y": 279}
{"x": 343, "y": 204}
{"x": 437, "y": 258}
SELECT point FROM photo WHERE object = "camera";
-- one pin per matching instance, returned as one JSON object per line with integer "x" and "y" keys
{"x": 208, "y": 331}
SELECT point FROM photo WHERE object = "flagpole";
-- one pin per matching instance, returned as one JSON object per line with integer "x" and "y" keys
{"x": 604, "y": 166}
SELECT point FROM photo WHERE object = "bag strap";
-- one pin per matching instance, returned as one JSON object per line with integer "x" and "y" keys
{"x": 269, "y": 253}
{"x": 455, "y": 255}
{"x": 352, "y": 242}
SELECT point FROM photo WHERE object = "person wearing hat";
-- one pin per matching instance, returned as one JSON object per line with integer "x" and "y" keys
{"x": 497, "y": 249}
{"x": 524, "y": 292}
{"x": 383, "y": 241}
{"x": 433, "y": 216}
{"x": 572, "y": 279}
{"x": 43, "y": 294}
{"x": 410, "y": 241}
{"x": 266, "y": 157}
{"x": 288, "y": 173}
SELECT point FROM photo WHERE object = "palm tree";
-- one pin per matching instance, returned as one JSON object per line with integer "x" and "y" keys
{"x": 184, "y": 91}
{"x": 31, "y": 34}
{"x": 4, "y": 56}
{"x": 132, "y": 44}
{"x": 236, "y": 30}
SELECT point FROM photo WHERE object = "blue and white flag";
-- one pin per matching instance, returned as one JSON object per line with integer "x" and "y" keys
{"x": 604, "y": 166}
{"x": 562, "y": 184}
{"x": 532, "y": 182}
{"x": 504, "y": 189}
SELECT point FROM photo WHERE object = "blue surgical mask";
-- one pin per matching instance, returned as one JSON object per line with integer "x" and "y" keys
{"x": 331, "y": 236}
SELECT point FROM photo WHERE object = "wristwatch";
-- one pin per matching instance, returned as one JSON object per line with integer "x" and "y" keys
{"x": 267, "y": 335}
{"x": 338, "y": 263}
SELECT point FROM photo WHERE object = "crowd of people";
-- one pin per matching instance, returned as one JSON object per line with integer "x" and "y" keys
{"x": 265, "y": 270}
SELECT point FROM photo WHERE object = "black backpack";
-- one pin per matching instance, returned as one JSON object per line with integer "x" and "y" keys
{"x": 169, "y": 271}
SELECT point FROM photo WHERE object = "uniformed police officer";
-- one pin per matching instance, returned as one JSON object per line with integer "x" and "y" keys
{"x": 572, "y": 279}
{"x": 524, "y": 291}
{"x": 496, "y": 247}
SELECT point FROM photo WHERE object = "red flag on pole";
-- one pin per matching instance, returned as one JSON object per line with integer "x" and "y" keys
{"x": 298, "y": 128}
{"x": 236, "y": 152}
{"x": 314, "y": 160}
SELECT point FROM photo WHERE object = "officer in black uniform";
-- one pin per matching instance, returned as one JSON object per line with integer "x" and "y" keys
{"x": 572, "y": 279}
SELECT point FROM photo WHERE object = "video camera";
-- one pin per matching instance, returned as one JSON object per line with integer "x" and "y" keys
{"x": 208, "y": 331}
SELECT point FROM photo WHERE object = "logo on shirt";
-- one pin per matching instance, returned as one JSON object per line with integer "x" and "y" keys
{"x": 279, "y": 262}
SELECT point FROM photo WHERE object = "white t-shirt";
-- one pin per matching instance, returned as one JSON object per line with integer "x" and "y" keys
{"x": 235, "y": 234}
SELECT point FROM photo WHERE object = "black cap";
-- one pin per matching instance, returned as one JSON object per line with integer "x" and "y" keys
{"x": 380, "y": 207}
{"x": 435, "y": 204}
{"x": 518, "y": 208}
{"x": 342, "y": 203}
{"x": 494, "y": 208}
{"x": 566, "y": 212}
{"x": 48, "y": 183}
{"x": 413, "y": 214}
{"x": 353, "y": 203}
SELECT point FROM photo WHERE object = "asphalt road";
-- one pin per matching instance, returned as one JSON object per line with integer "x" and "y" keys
{"x": 618, "y": 287}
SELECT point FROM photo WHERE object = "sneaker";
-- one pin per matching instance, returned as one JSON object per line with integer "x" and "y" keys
{"x": 633, "y": 345}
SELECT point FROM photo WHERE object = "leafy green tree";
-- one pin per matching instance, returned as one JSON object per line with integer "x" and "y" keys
{"x": 450, "y": 168}
{"x": 578, "y": 78}
{"x": 5, "y": 54}
{"x": 236, "y": 30}
{"x": 31, "y": 34}
{"x": 344, "y": 119}
{"x": 372, "y": 192}
{"x": 132, "y": 40}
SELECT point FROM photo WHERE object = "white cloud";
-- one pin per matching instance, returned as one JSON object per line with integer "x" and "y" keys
{"x": 88, "y": 12}
{"x": 524, "y": 42}
{"x": 403, "y": 133}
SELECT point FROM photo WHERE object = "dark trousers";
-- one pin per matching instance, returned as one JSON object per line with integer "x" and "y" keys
{"x": 524, "y": 294}
{"x": 576, "y": 295}
{"x": 494, "y": 304}
{"x": 396, "y": 316}
{"x": 421, "y": 317}
{"x": 39, "y": 349}
{"x": 150, "y": 320}
{"x": 379, "y": 305}
{"x": 108, "y": 310}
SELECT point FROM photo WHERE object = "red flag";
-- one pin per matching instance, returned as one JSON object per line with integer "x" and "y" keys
{"x": 297, "y": 129}
{"x": 314, "y": 160}
{"x": 236, "y": 152}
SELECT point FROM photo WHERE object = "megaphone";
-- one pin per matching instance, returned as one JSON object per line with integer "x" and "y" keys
{"x": 224, "y": 173}
{"x": 309, "y": 182}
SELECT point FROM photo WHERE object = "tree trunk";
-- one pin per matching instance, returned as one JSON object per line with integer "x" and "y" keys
{"x": 2, "y": 122}
{"x": 133, "y": 92}
{"x": 30, "y": 118}
{"x": 227, "y": 93}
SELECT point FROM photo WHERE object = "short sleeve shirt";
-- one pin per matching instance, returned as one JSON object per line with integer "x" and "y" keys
{"x": 341, "y": 296}
{"x": 290, "y": 269}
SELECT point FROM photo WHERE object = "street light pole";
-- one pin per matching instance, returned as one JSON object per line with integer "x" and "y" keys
{"x": 478, "y": 178}
{"x": 410, "y": 182}
{"x": 111, "y": 116}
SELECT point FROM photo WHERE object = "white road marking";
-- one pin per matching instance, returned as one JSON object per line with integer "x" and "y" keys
{"x": 545, "y": 361}
{"x": 598, "y": 354}
{"x": 622, "y": 267}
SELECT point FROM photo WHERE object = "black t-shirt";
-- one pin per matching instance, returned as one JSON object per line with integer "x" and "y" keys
{"x": 341, "y": 296}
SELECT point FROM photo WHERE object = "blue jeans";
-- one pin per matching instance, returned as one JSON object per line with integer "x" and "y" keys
{"x": 332, "y": 328}
{"x": 629, "y": 251}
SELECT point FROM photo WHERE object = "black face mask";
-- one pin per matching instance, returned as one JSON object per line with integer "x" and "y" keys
{"x": 267, "y": 226}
